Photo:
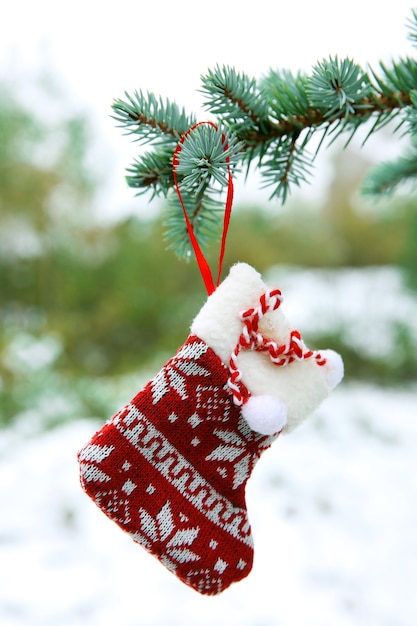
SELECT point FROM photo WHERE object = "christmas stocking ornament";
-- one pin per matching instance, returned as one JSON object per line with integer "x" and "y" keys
{"x": 170, "y": 468}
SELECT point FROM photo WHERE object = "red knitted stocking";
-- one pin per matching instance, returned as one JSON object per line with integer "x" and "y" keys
{"x": 171, "y": 468}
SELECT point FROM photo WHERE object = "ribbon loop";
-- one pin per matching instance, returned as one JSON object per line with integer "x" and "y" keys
{"x": 203, "y": 265}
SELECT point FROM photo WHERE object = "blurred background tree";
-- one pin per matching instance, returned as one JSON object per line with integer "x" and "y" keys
{"x": 78, "y": 299}
{"x": 84, "y": 303}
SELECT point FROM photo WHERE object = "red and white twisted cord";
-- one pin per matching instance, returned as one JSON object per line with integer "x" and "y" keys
{"x": 251, "y": 339}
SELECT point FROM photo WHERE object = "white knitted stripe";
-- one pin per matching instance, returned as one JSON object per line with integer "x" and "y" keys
{"x": 164, "y": 457}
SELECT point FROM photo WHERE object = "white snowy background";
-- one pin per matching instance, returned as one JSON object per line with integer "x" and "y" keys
{"x": 333, "y": 506}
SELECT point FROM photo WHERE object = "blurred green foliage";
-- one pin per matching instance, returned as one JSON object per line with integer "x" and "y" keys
{"x": 84, "y": 304}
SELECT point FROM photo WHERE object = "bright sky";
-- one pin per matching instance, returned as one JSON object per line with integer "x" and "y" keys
{"x": 99, "y": 49}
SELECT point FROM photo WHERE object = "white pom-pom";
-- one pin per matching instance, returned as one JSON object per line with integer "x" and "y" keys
{"x": 266, "y": 415}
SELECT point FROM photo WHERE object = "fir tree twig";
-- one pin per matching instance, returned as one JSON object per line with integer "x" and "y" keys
{"x": 270, "y": 122}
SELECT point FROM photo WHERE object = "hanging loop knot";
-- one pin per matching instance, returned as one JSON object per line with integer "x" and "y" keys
{"x": 251, "y": 339}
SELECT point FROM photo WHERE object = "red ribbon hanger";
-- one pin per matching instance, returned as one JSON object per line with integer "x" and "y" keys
{"x": 201, "y": 259}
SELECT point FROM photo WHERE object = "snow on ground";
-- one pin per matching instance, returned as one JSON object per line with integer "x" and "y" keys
{"x": 333, "y": 508}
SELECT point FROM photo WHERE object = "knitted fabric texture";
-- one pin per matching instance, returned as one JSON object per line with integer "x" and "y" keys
{"x": 171, "y": 467}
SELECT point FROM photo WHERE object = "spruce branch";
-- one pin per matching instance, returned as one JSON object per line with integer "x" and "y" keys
{"x": 207, "y": 155}
{"x": 387, "y": 177}
{"x": 235, "y": 97}
{"x": 285, "y": 164}
{"x": 204, "y": 212}
{"x": 205, "y": 162}
{"x": 338, "y": 88}
{"x": 269, "y": 122}
{"x": 151, "y": 171}
{"x": 412, "y": 27}
{"x": 151, "y": 118}
{"x": 412, "y": 116}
